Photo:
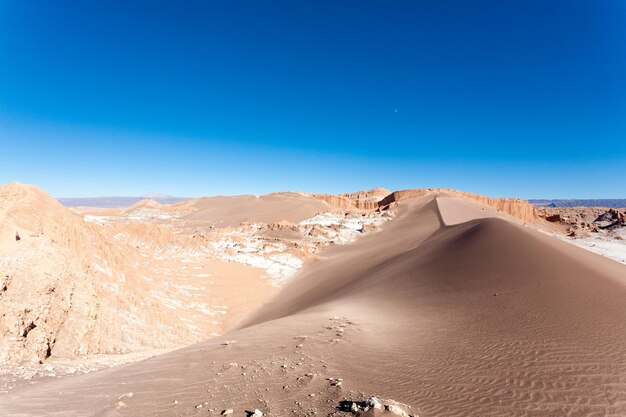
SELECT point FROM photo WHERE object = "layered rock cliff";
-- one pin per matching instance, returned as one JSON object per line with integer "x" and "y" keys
{"x": 374, "y": 199}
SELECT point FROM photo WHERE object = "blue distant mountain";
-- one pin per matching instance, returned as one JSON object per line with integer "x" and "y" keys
{"x": 605, "y": 202}
{"x": 118, "y": 202}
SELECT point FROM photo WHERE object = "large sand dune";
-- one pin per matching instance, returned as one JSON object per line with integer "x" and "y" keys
{"x": 453, "y": 309}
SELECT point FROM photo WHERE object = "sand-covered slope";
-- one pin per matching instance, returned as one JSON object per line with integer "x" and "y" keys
{"x": 151, "y": 276}
{"x": 447, "y": 312}
{"x": 270, "y": 208}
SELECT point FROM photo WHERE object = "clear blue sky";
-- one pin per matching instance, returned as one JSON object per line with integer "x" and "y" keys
{"x": 503, "y": 98}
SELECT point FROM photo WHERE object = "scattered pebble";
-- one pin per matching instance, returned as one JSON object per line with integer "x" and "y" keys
{"x": 374, "y": 402}
{"x": 394, "y": 409}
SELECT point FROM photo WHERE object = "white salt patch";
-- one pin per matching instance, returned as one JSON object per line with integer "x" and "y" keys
{"x": 104, "y": 269}
{"x": 607, "y": 246}
{"x": 245, "y": 246}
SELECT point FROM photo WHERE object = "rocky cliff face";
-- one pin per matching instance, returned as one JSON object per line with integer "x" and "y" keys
{"x": 580, "y": 221}
{"x": 360, "y": 200}
{"x": 52, "y": 293}
{"x": 372, "y": 200}
{"x": 338, "y": 201}
{"x": 516, "y": 207}
{"x": 367, "y": 199}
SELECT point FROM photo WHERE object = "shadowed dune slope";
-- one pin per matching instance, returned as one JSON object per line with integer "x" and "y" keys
{"x": 446, "y": 311}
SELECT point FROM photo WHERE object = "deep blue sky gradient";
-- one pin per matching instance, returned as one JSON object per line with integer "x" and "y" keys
{"x": 199, "y": 98}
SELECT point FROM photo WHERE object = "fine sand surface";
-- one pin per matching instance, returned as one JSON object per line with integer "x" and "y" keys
{"x": 277, "y": 207}
{"x": 446, "y": 310}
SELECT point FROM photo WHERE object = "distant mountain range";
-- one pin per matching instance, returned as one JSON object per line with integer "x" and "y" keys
{"x": 117, "y": 202}
{"x": 605, "y": 202}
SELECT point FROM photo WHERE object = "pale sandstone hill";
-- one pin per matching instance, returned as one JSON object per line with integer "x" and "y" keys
{"x": 70, "y": 287}
{"x": 48, "y": 302}
{"x": 270, "y": 208}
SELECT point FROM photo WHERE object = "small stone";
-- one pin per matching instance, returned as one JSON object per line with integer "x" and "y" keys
{"x": 127, "y": 395}
{"x": 374, "y": 402}
{"x": 394, "y": 409}
{"x": 257, "y": 413}
{"x": 228, "y": 411}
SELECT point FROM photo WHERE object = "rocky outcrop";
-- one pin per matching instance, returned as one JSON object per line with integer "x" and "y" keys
{"x": 403, "y": 194}
{"x": 48, "y": 305}
{"x": 515, "y": 207}
{"x": 579, "y": 221}
{"x": 375, "y": 194}
{"x": 374, "y": 199}
{"x": 367, "y": 199}
{"x": 360, "y": 200}
{"x": 67, "y": 289}
{"x": 612, "y": 219}
{"x": 338, "y": 201}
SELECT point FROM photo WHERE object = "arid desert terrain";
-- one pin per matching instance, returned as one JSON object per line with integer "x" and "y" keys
{"x": 422, "y": 302}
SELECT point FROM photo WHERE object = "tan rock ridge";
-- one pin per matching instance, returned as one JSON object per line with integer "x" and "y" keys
{"x": 374, "y": 199}
{"x": 337, "y": 200}
{"x": 360, "y": 200}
